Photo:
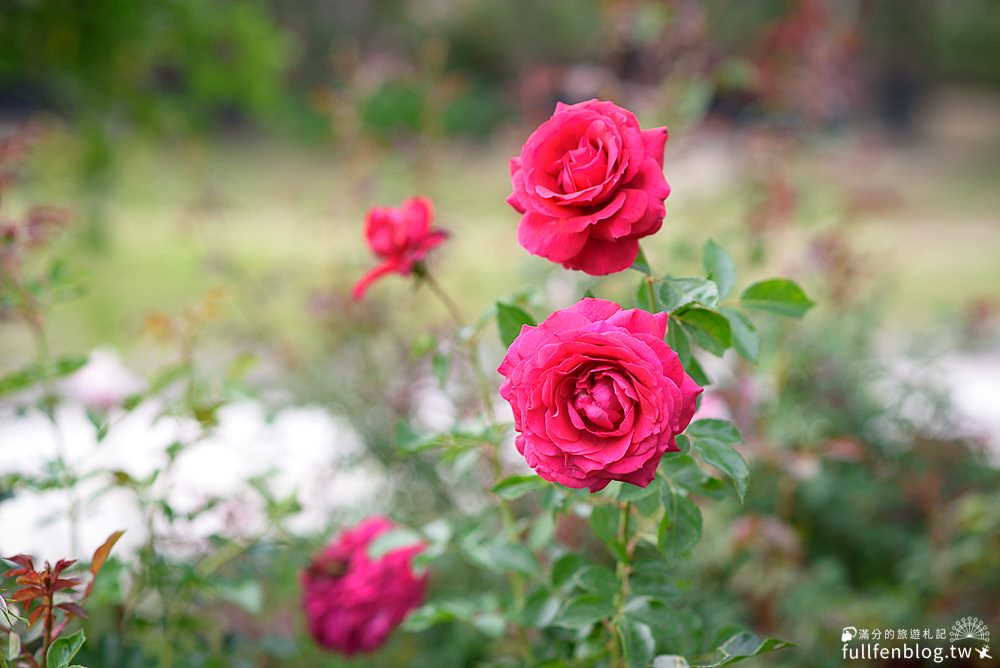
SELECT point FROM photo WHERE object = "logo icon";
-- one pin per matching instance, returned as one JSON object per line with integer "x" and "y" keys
{"x": 984, "y": 653}
{"x": 970, "y": 628}
{"x": 848, "y": 633}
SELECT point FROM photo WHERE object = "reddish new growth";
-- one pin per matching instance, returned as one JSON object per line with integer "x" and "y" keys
{"x": 37, "y": 595}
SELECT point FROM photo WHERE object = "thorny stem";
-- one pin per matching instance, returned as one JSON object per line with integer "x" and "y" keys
{"x": 491, "y": 453}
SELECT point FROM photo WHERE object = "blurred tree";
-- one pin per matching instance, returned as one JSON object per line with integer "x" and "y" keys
{"x": 109, "y": 64}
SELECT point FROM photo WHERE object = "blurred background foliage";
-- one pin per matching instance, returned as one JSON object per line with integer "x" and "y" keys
{"x": 231, "y": 147}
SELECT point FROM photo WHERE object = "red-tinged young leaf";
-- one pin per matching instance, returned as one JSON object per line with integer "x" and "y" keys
{"x": 35, "y": 615}
{"x": 72, "y": 609}
{"x": 22, "y": 559}
{"x": 65, "y": 583}
{"x": 27, "y": 594}
{"x": 31, "y": 578}
{"x": 60, "y": 626}
{"x": 62, "y": 565}
{"x": 101, "y": 553}
{"x": 100, "y": 556}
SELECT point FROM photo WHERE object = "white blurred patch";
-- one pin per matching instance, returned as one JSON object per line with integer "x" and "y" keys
{"x": 303, "y": 452}
{"x": 104, "y": 382}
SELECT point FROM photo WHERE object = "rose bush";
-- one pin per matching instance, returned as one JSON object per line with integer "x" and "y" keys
{"x": 353, "y": 602}
{"x": 401, "y": 237}
{"x": 597, "y": 395}
{"x": 589, "y": 184}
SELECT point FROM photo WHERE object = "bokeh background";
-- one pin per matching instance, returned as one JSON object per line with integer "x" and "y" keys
{"x": 216, "y": 158}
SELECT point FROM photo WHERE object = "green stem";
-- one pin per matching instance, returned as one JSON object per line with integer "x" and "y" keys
{"x": 623, "y": 569}
{"x": 33, "y": 318}
{"x": 652, "y": 293}
{"x": 517, "y": 583}
{"x": 472, "y": 350}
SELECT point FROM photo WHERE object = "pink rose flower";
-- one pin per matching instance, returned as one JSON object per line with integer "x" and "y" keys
{"x": 353, "y": 603}
{"x": 401, "y": 237}
{"x": 597, "y": 395}
{"x": 589, "y": 183}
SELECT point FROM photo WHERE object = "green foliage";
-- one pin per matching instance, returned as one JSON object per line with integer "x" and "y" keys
{"x": 158, "y": 64}
{"x": 64, "y": 649}
{"x": 517, "y": 486}
{"x": 510, "y": 319}
{"x": 680, "y": 527}
{"x": 776, "y": 295}
{"x": 738, "y": 648}
{"x": 714, "y": 441}
{"x": 701, "y": 316}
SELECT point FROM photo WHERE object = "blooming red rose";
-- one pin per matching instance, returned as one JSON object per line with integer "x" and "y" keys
{"x": 401, "y": 237}
{"x": 589, "y": 183}
{"x": 597, "y": 394}
{"x": 352, "y": 603}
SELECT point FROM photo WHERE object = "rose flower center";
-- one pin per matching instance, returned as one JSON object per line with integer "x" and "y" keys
{"x": 599, "y": 401}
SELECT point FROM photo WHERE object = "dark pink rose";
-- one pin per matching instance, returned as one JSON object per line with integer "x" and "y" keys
{"x": 400, "y": 237}
{"x": 597, "y": 394}
{"x": 589, "y": 183}
{"x": 353, "y": 603}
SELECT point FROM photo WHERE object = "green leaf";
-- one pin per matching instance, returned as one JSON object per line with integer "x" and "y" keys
{"x": 13, "y": 646}
{"x": 629, "y": 492}
{"x": 674, "y": 293}
{"x": 62, "y": 651}
{"x": 777, "y": 295}
{"x": 459, "y": 439}
{"x": 641, "y": 264}
{"x": 514, "y": 557}
{"x": 706, "y": 326}
{"x": 438, "y": 612}
{"x": 651, "y": 576}
{"x": 714, "y": 441}
{"x": 542, "y": 531}
{"x": 604, "y": 522}
{"x": 439, "y": 367}
{"x": 745, "y": 338}
{"x": 422, "y": 345}
{"x": 490, "y": 624}
{"x": 391, "y": 540}
{"x": 638, "y": 645}
{"x": 599, "y": 580}
{"x": 683, "y": 472}
{"x": 680, "y": 527}
{"x": 510, "y": 319}
{"x": 564, "y": 568}
{"x": 678, "y": 340}
{"x": 719, "y": 267}
{"x": 517, "y": 486}
{"x": 585, "y": 610}
{"x": 741, "y": 646}
{"x": 540, "y": 608}
{"x": 36, "y": 373}
{"x": 247, "y": 595}
{"x": 67, "y": 365}
{"x": 652, "y": 611}
{"x": 670, "y": 661}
